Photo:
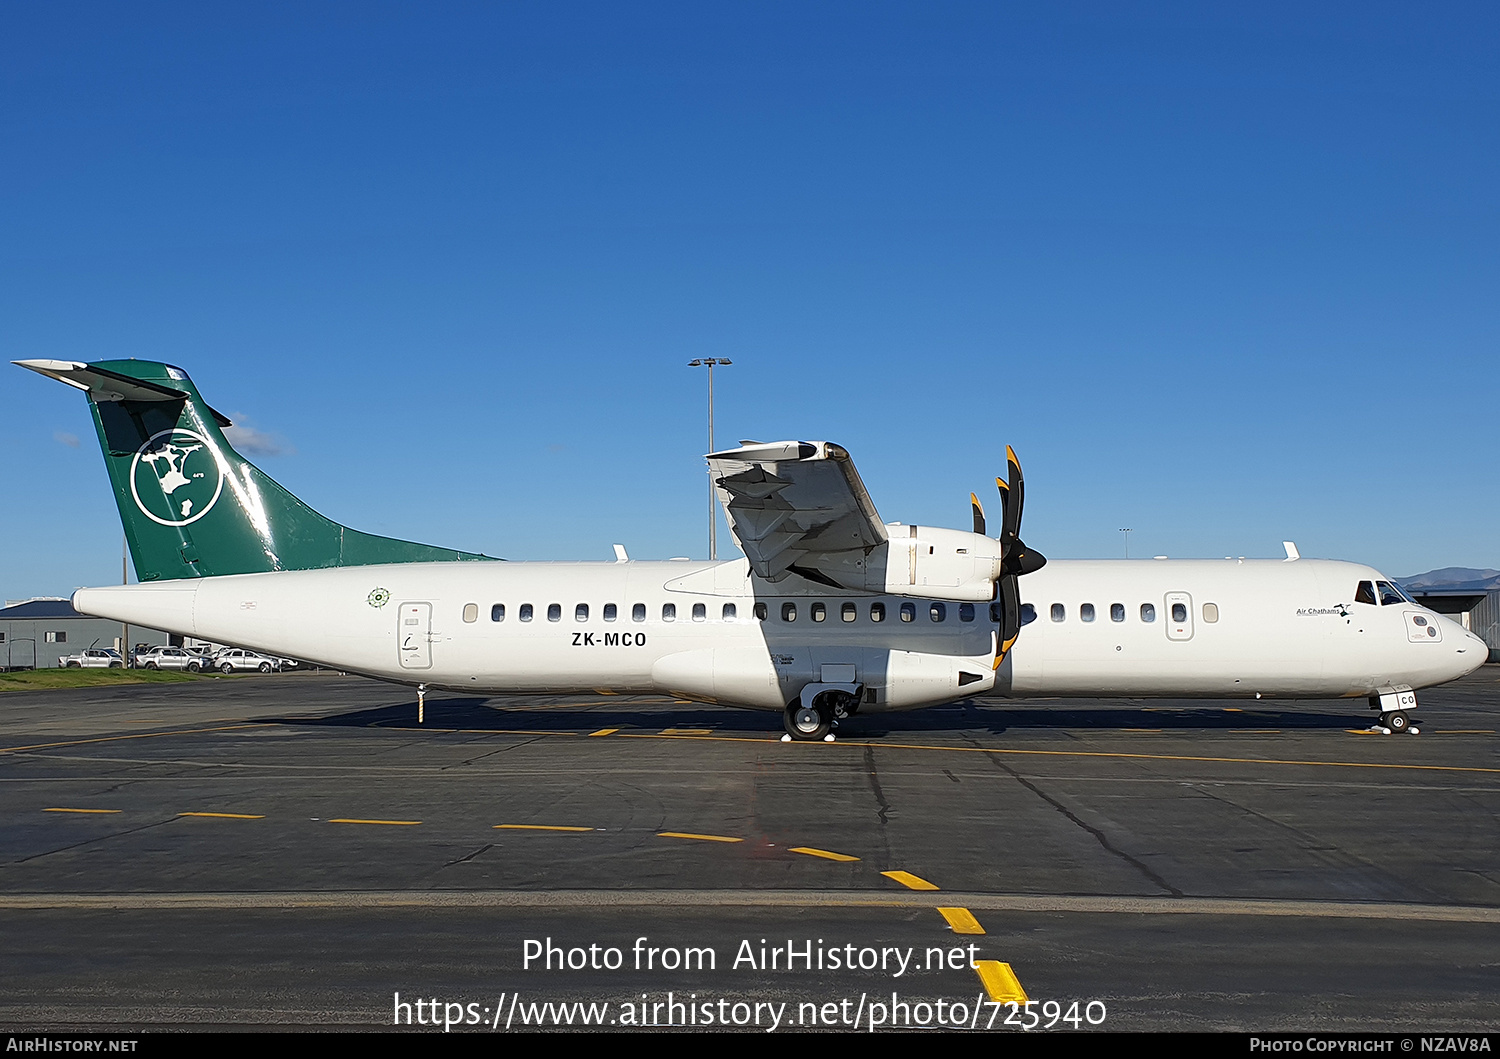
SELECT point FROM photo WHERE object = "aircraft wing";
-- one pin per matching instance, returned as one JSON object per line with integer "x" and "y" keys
{"x": 796, "y": 507}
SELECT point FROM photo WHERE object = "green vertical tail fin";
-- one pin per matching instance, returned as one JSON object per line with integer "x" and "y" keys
{"x": 194, "y": 507}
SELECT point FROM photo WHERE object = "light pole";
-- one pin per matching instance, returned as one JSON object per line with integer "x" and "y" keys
{"x": 713, "y": 499}
{"x": 1127, "y": 533}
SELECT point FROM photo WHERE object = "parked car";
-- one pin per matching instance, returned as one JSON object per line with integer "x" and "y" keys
{"x": 93, "y": 658}
{"x": 233, "y": 659}
{"x": 170, "y": 658}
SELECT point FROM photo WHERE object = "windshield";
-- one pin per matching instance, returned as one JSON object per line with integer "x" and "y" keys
{"x": 1390, "y": 594}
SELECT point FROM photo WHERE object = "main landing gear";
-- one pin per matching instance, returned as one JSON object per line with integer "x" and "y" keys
{"x": 815, "y": 720}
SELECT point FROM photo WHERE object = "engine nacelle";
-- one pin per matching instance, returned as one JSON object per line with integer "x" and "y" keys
{"x": 922, "y": 561}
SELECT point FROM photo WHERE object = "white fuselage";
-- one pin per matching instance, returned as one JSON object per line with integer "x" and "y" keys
{"x": 708, "y": 631}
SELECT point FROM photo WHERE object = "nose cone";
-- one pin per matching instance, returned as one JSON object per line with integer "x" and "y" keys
{"x": 1469, "y": 652}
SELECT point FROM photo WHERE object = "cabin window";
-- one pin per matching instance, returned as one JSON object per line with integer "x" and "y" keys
{"x": 554, "y": 612}
{"x": 938, "y": 612}
{"x": 730, "y": 612}
{"x": 471, "y": 612}
{"x": 908, "y": 612}
{"x": 819, "y": 612}
{"x": 669, "y": 612}
{"x": 761, "y": 612}
{"x": 1179, "y": 612}
{"x": 1365, "y": 593}
{"x": 848, "y": 612}
{"x": 1210, "y": 612}
{"x": 966, "y": 612}
{"x": 1117, "y": 612}
{"x": 1028, "y": 614}
{"x": 1390, "y": 595}
{"x": 497, "y": 612}
{"x": 1059, "y": 612}
{"x": 525, "y": 612}
{"x": 1148, "y": 612}
{"x": 581, "y": 612}
{"x": 638, "y": 612}
{"x": 789, "y": 612}
{"x": 1086, "y": 612}
{"x": 877, "y": 612}
{"x": 700, "y": 612}
{"x": 611, "y": 612}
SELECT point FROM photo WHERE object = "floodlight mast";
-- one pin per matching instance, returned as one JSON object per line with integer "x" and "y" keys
{"x": 713, "y": 500}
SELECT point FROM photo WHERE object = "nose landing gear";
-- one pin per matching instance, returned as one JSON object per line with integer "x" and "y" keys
{"x": 1393, "y": 705}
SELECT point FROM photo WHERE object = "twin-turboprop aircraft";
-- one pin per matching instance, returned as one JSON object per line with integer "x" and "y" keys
{"x": 832, "y": 611}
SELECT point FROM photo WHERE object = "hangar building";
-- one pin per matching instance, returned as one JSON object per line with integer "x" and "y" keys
{"x": 36, "y": 633}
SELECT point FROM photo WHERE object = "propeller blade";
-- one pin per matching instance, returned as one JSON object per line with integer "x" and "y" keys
{"x": 1014, "y": 491}
{"x": 978, "y": 513}
{"x": 1008, "y": 592}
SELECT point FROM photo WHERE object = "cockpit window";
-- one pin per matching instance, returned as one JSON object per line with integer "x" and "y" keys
{"x": 1365, "y": 593}
{"x": 1390, "y": 595}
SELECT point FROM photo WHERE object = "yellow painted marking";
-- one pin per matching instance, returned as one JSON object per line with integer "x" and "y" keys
{"x": 687, "y": 731}
{"x": 850, "y": 743}
{"x": 1463, "y": 731}
{"x": 825, "y": 854}
{"x": 908, "y": 880}
{"x": 393, "y": 823}
{"x": 138, "y": 735}
{"x": 961, "y": 920}
{"x": 1000, "y": 982}
{"x": 83, "y": 810}
{"x": 704, "y": 838}
{"x": 605, "y": 731}
{"x": 538, "y": 827}
{"x": 226, "y": 816}
{"x": 604, "y": 691}
{"x": 1233, "y": 709}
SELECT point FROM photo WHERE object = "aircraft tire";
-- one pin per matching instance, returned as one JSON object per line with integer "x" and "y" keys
{"x": 804, "y": 724}
{"x": 1396, "y": 721}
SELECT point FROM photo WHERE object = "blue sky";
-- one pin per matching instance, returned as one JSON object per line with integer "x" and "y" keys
{"x": 1224, "y": 276}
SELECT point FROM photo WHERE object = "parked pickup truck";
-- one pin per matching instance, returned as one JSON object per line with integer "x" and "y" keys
{"x": 93, "y": 658}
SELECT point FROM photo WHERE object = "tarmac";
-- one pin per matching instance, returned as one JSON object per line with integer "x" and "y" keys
{"x": 298, "y": 851}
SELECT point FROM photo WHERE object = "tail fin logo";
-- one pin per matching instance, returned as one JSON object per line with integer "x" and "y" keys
{"x": 175, "y": 477}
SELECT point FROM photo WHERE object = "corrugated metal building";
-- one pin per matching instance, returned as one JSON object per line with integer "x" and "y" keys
{"x": 38, "y": 632}
{"x": 1484, "y": 622}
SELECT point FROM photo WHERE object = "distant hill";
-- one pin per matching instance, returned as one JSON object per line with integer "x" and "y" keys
{"x": 1457, "y": 578}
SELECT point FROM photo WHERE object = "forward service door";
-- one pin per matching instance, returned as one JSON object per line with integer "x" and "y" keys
{"x": 1179, "y": 615}
{"x": 414, "y": 635}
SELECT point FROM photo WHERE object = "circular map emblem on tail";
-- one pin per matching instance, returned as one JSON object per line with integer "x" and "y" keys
{"x": 175, "y": 478}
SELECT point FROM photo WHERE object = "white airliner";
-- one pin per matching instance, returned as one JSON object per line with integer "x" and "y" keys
{"x": 831, "y": 612}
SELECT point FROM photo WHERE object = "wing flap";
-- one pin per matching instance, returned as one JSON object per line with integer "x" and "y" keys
{"x": 796, "y": 503}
